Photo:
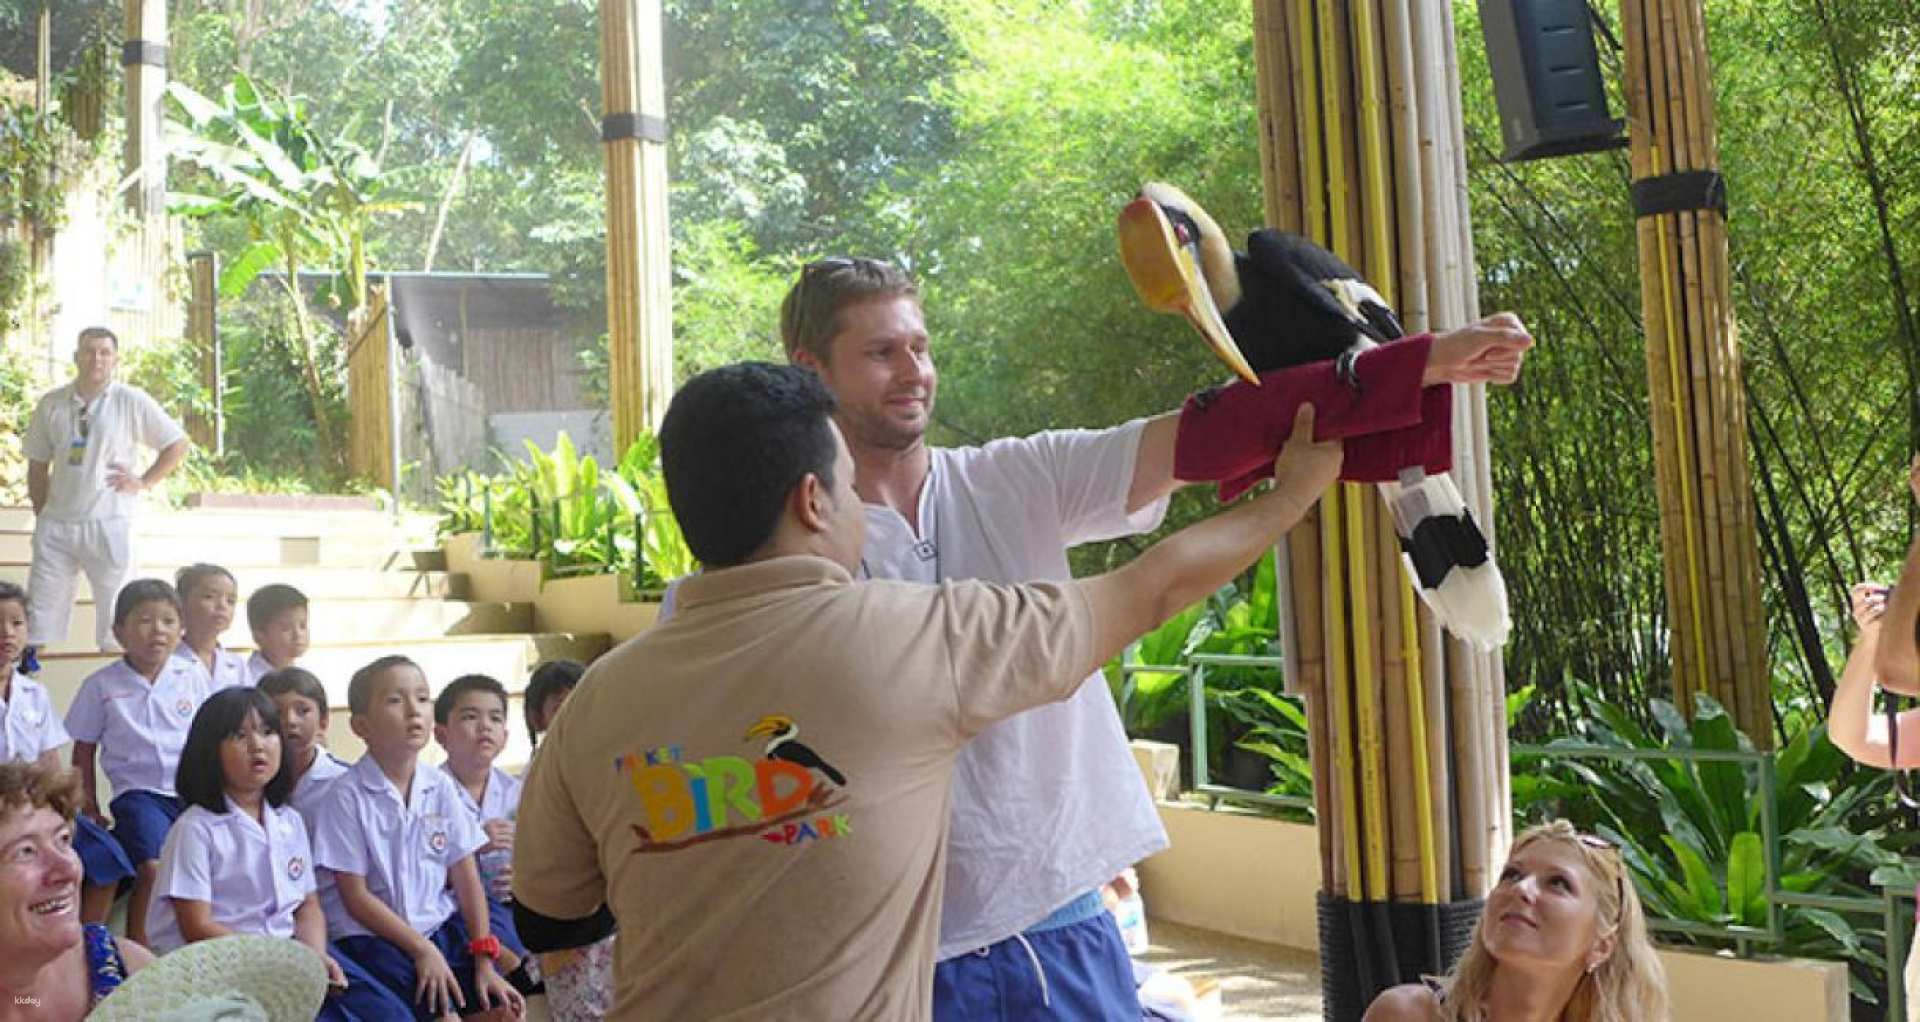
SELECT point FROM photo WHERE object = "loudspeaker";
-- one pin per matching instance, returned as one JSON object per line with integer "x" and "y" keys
{"x": 1546, "y": 78}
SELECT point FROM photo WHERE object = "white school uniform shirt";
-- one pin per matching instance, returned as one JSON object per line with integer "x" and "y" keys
{"x": 28, "y": 725}
{"x": 258, "y": 667}
{"x": 261, "y": 869}
{"x": 312, "y": 785}
{"x": 403, "y": 847}
{"x": 120, "y": 419}
{"x": 1049, "y": 804}
{"x": 229, "y": 669}
{"x": 500, "y": 801}
{"x": 139, "y": 726}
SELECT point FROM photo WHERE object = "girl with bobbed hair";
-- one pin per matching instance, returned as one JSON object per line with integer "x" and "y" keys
{"x": 1563, "y": 937}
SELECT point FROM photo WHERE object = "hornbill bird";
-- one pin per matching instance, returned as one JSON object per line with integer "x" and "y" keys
{"x": 781, "y": 732}
{"x": 1286, "y": 302}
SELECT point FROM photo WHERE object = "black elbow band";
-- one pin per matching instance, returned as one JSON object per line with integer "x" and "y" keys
{"x": 545, "y": 933}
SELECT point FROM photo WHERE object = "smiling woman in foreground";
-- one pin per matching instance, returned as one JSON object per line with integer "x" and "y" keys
{"x": 54, "y": 968}
{"x": 1562, "y": 937}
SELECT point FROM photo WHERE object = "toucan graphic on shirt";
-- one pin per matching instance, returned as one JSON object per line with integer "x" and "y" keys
{"x": 783, "y": 798}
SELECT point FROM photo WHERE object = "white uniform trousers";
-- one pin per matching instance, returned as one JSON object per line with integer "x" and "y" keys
{"x": 61, "y": 551}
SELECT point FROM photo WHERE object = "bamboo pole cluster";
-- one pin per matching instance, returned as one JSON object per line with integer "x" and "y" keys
{"x": 1362, "y": 151}
{"x": 639, "y": 291}
{"x": 1710, "y": 548}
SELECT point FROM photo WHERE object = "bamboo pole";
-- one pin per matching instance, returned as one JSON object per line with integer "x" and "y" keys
{"x": 639, "y": 294}
{"x": 1279, "y": 150}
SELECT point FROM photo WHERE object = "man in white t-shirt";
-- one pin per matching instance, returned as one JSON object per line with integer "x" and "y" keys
{"x": 81, "y": 445}
{"x": 1047, "y": 805}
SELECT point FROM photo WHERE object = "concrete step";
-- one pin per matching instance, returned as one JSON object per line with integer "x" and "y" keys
{"x": 319, "y": 583}
{"x": 238, "y": 551}
{"x": 355, "y": 620}
{"x": 508, "y": 658}
{"x": 161, "y": 521}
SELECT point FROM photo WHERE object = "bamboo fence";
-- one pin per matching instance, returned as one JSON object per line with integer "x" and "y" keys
{"x": 1711, "y": 552}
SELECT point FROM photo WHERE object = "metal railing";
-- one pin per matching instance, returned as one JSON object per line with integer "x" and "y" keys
{"x": 538, "y": 521}
{"x": 1196, "y": 676}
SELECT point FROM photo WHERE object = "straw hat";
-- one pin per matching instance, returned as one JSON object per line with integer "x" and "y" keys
{"x": 236, "y": 978}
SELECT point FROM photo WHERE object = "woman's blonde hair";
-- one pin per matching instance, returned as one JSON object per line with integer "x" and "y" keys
{"x": 1628, "y": 986}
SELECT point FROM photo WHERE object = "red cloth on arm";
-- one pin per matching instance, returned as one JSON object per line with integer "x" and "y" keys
{"x": 1388, "y": 424}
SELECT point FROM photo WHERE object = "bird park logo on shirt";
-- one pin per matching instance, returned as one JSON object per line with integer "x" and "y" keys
{"x": 783, "y": 798}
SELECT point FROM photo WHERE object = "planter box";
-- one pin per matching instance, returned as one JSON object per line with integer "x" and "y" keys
{"x": 1707, "y": 987}
{"x": 591, "y": 603}
{"x": 496, "y": 579}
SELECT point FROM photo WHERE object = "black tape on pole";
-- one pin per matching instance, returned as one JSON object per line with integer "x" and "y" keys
{"x": 142, "y": 51}
{"x": 1680, "y": 192}
{"x": 646, "y": 127}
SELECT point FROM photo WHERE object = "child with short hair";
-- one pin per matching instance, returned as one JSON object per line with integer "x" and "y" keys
{"x": 302, "y": 701}
{"x": 208, "y": 594}
{"x": 578, "y": 981}
{"x": 470, "y": 723}
{"x": 547, "y": 690}
{"x": 277, "y": 616}
{"x": 133, "y": 714}
{"x": 31, "y": 731}
{"x": 407, "y": 897}
{"x": 238, "y": 837}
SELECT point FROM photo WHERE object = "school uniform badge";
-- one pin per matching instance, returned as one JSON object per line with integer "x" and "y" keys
{"x": 184, "y": 706}
{"x": 437, "y": 841}
{"x": 296, "y": 868}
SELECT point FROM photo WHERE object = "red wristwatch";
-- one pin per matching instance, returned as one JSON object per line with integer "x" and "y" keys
{"x": 486, "y": 947}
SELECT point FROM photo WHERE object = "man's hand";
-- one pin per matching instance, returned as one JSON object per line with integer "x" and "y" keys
{"x": 122, "y": 481}
{"x": 1488, "y": 351}
{"x": 1306, "y": 465}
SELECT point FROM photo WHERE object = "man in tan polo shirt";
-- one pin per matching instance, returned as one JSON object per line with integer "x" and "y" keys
{"x": 758, "y": 789}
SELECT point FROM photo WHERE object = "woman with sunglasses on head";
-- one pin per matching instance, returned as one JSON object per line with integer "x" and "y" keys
{"x": 1562, "y": 938}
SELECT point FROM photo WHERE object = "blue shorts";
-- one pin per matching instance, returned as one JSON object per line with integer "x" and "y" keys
{"x": 364, "y": 999}
{"x": 393, "y": 969}
{"x": 1079, "y": 972}
{"x": 141, "y": 820}
{"x": 103, "y": 863}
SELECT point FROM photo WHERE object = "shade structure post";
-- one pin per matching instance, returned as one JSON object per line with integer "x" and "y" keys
{"x": 1361, "y": 152}
{"x": 633, "y": 132}
{"x": 1702, "y": 466}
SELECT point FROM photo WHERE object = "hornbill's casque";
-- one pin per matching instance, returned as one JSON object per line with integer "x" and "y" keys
{"x": 1284, "y": 302}
{"x": 781, "y": 732}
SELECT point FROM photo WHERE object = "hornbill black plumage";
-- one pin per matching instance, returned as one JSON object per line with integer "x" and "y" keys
{"x": 1286, "y": 302}
{"x": 781, "y": 733}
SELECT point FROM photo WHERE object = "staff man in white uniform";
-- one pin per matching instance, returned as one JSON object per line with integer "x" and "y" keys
{"x": 1047, "y": 805}
{"x": 80, "y": 452}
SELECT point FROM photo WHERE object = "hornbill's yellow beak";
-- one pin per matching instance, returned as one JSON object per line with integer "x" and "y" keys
{"x": 1166, "y": 274}
{"x": 769, "y": 725}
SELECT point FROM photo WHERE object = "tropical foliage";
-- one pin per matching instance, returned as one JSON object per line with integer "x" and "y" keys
{"x": 561, "y": 508}
{"x": 1692, "y": 831}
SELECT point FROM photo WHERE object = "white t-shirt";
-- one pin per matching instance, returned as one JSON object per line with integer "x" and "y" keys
{"x": 119, "y": 420}
{"x": 1021, "y": 847}
{"x": 262, "y": 873}
{"x": 229, "y": 669}
{"x": 28, "y": 725}
{"x": 1049, "y": 804}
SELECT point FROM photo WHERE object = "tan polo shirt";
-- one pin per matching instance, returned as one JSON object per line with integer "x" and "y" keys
{"x": 759, "y": 788}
